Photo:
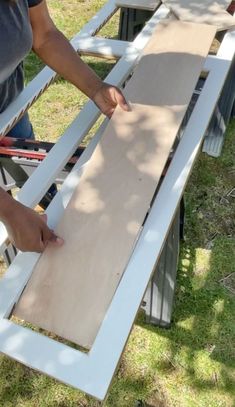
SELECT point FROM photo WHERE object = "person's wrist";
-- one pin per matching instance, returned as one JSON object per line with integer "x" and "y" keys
{"x": 8, "y": 208}
{"x": 96, "y": 90}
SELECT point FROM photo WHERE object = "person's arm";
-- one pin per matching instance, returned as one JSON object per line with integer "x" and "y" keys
{"x": 56, "y": 51}
{"x": 27, "y": 230}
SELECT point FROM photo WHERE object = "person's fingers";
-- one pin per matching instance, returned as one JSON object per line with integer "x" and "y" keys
{"x": 56, "y": 240}
{"x": 121, "y": 100}
{"x": 109, "y": 113}
{"x": 108, "y": 97}
{"x": 48, "y": 236}
{"x": 42, "y": 244}
{"x": 44, "y": 217}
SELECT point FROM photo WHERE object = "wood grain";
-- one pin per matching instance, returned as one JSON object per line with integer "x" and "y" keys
{"x": 203, "y": 11}
{"x": 71, "y": 287}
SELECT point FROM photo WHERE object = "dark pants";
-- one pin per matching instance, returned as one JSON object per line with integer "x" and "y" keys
{"x": 23, "y": 129}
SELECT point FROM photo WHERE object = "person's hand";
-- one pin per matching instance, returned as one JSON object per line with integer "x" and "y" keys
{"x": 28, "y": 230}
{"x": 108, "y": 97}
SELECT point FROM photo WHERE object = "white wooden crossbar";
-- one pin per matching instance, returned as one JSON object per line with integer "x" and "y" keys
{"x": 102, "y": 47}
{"x": 93, "y": 372}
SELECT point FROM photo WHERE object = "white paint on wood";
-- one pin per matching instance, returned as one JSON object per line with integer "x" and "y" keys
{"x": 138, "y": 4}
{"x": 102, "y": 47}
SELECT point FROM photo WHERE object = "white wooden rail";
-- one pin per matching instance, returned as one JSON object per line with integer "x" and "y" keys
{"x": 93, "y": 372}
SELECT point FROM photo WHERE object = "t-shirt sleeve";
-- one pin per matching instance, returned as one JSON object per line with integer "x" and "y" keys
{"x": 32, "y": 3}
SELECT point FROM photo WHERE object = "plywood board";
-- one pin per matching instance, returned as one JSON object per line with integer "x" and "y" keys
{"x": 203, "y": 11}
{"x": 138, "y": 4}
{"x": 71, "y": 287}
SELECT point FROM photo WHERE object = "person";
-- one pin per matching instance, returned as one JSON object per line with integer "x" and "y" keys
{"x": 26, "y": 25}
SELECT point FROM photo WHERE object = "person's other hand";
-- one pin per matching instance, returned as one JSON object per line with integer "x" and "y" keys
{"x": 108, "y": 97}
{"x": 28, "y": 230}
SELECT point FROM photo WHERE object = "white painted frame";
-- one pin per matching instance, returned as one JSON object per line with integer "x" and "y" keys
{"x": 93, "y": 372}
{"x": 150, "y": 5}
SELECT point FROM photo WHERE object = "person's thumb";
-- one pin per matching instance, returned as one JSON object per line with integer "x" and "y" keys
{"x": 48, "y": 236}
{"x": 122, "y": 101}
{"x": 55, "y": 240}
{"x": 44, "y": 217}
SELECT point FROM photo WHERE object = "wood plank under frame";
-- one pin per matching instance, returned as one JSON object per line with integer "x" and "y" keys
{"x": 71, "y": 287}
{"x": 203, "y": 12}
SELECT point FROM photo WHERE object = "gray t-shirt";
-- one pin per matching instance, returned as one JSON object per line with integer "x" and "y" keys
{"x": 15, "y": 43}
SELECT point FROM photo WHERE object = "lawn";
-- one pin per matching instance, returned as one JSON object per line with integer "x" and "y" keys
{"x": 193, "y": 363}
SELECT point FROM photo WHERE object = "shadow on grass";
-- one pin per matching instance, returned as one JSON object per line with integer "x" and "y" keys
{"x": 203, "y": 324}
{"x": 16, "y": 382}
{"x": 201, "y": 340}
{"x": 22, "y": 386}
{"x": 127, "y": 390}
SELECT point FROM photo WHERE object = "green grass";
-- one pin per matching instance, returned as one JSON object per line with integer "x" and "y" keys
{"x": 193, "y": 363}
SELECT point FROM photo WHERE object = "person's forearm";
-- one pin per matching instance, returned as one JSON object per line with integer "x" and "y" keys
{"x": 6, "y": 205}
{"x": 57, "y": 52}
